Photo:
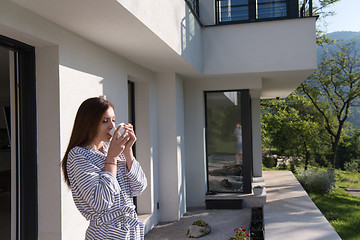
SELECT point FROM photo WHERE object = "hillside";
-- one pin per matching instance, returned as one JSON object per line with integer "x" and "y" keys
{"x": 354, "y": 117}
{"x": 352, "y": 36}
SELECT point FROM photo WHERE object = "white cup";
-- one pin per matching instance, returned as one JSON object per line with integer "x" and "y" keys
{"x": 122, "y": 130}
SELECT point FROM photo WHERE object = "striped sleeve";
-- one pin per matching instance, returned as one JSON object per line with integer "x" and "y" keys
{"x": 138, "y": 181}
{"x": 94, "y": 186}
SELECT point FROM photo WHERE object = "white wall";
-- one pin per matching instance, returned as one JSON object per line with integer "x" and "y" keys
{"x": 195, "y": 130}
{"x": 69, "y": 69}
{"x": 260, "y": 47}
{"x": 171, "y": 143}
{"x": 173, "y": 23}
{"x": 256, "y": 136}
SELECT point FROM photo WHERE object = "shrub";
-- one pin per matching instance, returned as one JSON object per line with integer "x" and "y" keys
{"x": 320, "y": 181}
{"x": 269, "y": 162}
{"x": 352, "y": 166}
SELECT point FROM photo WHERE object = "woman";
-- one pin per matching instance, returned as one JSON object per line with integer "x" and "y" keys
{"x": 238, "y": 135}
{"x": 103, "y": 174}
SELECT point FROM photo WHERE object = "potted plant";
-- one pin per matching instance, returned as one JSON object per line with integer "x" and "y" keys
{"x": 240, "y": 234}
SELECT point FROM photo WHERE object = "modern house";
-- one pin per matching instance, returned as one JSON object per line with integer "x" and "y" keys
{"x": 188, "y": 74}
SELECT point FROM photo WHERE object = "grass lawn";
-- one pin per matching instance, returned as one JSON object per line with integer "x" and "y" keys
{"x": 340, "y": 208}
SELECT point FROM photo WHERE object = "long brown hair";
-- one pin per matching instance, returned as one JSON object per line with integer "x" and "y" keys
{"x": 86, "y": 124}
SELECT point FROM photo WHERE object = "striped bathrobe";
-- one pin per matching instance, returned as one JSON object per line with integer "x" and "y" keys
{"x": 103, "y": 199}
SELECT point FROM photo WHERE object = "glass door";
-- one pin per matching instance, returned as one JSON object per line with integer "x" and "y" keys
{"x": 224, "y": 141}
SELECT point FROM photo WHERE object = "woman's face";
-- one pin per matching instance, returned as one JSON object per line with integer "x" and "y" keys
{"x": 107, "y": 123}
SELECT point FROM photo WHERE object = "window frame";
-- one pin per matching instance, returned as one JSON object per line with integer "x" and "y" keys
{"x": 246, "y": 121}
{"x": 292, "y": 11}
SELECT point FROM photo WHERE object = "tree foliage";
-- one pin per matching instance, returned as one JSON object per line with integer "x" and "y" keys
{"x": 293, "y": 127}
{"x": 334, "y": 88}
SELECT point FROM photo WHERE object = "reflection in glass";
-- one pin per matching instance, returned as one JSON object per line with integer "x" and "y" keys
{"x": 224, "y": 141}
{"x": 233, "y": 10}
{"x": 271, "y": 8}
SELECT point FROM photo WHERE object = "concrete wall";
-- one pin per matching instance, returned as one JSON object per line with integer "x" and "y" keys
{"x": 173, "y": 23}
{"x": 260, "y": 47}
{"x": 171, "y": 147}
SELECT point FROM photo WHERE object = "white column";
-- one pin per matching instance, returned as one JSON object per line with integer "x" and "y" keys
{"x": 256, "y": 137}
{"x": 171, "y": 147}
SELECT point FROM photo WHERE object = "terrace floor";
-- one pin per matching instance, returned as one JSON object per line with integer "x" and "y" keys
{"x": 289, "y": 213}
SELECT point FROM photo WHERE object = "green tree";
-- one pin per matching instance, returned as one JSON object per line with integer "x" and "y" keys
{"x": 334, "y": 88}
{"x": 292, "y": 126}
{"x": 349, "y": 149}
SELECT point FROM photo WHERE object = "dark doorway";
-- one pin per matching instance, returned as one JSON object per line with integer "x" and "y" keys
{"x": 22, "y": 107}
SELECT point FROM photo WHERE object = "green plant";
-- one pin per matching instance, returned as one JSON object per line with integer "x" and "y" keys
{"x": 352, "y": 166}
{"x": 317, "y": 181}
{"x": 240, "y": 234}
{"x": 269, "y": 162}
{"x": 200, "y": 223}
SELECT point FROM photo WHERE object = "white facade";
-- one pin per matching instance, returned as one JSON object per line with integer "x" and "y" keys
{"x": 93, "y": 48}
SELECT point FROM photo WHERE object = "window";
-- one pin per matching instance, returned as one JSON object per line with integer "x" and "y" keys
{"x": 228, "y": 150}
{"x": 271, "y": 8}
{"x": 233, "y": 10}
{"x": 255, "y": 10}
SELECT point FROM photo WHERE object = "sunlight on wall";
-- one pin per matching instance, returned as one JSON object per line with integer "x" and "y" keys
{"x": 76, "y": 86}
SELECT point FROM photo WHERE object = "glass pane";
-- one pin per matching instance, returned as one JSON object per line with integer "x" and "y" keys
{"x": 233, "y": 10}
{"x": 271, "y": 8}
{"x": 224, "y": 141}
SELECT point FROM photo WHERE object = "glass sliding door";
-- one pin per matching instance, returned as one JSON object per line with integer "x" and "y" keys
{"x": 224, "y": 141}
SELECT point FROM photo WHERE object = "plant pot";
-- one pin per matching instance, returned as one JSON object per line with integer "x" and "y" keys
{"x": 258, "y": 191}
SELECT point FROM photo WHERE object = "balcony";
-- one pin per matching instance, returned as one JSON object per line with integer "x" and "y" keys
{"x": 245, "y": 11}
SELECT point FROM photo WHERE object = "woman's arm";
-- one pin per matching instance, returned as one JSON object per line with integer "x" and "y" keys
{"x": 137, "y": 178}
{"x": 93, "y": 185}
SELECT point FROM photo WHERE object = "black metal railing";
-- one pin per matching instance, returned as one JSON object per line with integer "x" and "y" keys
{"x": 236, "y": 11}
{"x": 228, "y": 11}
{"x": 194, "y": 8}
{"x": 306, "y": 9}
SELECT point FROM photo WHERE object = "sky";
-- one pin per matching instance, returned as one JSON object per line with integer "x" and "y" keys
{"x": 346, "y": 18}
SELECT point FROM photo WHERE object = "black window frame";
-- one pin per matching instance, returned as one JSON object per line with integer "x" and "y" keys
{"x": 292, "y": 11}
{"x": 246, "y": 121}
{"x": 26, "y": 147}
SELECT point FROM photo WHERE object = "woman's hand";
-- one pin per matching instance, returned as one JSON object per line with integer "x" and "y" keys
{"x": 128, "y": 152}
{"x": 129, "y": 129}
{"x": 118, "y": 144}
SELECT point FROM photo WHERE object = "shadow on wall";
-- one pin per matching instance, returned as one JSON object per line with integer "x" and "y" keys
{"x": 191, "y": 47}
